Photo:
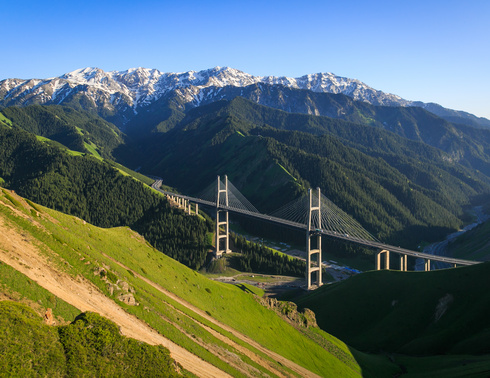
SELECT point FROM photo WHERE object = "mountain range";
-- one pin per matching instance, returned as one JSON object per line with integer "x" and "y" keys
{"x": 120, "y": 96}
{"x": 407, "y": 175}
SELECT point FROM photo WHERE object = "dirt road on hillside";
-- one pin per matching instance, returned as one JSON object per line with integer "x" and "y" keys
{"x": 277, "y": 357}
{"x": 20, "y": 251}
{"x": 22, "y": 255}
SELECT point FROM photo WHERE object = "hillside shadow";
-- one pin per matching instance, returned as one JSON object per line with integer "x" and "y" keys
{"x": 244, "y": 288}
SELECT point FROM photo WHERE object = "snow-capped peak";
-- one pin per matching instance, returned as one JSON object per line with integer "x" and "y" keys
{"x": 139, "y": 87}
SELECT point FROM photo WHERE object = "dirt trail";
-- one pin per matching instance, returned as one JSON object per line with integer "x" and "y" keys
{"x": 277, "y": 357}
{"x": 22, "y": 255}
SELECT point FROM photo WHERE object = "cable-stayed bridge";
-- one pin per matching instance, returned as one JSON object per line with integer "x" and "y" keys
{"x": 315, "y": 214}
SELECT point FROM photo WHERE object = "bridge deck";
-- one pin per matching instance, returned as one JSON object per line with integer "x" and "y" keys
{"x": 300, "y": 226}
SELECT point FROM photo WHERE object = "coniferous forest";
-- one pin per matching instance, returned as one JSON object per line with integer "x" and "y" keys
{"x": 402, "y": 191}
{"x": 261, "y": 259}
{"x": 96, "y": 192}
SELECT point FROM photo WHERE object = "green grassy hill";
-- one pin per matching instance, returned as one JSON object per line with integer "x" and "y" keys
{"x": 90, "y": 346}
{"x": 76, "y": 129}
{"x": 437, "y": 314}
{"x": 473, "y": 244}
{"x": 416, "y": 313}
{"x": 206, "y": 318}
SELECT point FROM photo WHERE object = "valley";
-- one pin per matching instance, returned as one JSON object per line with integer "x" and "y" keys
{"x": 441, "y": 248}
{"x": 83, "y": 233}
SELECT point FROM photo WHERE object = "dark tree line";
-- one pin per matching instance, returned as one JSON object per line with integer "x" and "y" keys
{"x": 258, "y": 258}
{"x": 72, "y": 128}
{"x": 96, "y": 192}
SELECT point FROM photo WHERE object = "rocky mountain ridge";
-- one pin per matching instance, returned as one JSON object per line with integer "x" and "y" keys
{"x": 130, "y": 92}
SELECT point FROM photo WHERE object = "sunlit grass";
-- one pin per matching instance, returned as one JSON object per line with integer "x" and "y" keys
{"x": 80, "y": 247}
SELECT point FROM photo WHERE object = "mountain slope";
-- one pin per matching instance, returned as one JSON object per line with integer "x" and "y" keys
{"x": 90, "y": 344}
{"x": 77, "y": 130}
{"x": 396, "y": 188}
{"x": 473, "y": 244}
{"x": 120, "y": 95}
{"x": 113, "y": 265}
{"x": 100, "y": 194}
{"x": 434, "y": 313}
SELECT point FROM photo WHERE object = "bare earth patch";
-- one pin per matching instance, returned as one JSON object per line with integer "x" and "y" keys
{"x": 82, "y": 294}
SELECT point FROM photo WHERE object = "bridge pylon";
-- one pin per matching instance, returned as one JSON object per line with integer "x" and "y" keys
{"x": 222, "y": 219}
{"x": 314, "y": 242}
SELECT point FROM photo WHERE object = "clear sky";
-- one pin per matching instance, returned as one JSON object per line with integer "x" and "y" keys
{"x": 430, "y": 50}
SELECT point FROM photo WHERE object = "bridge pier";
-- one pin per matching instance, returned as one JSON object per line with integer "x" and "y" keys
{"x": 222, "y": 220}
{"x": 387, "y": 259}
{"x": 403, "y": 263}
{"x": 427, "y": 265}
{"x": 314, "y": 255}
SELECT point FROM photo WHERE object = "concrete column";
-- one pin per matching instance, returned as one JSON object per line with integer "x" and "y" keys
{"x": 403, "y": 263}
{"x": 220, "y": 222}
{"x": 427, "y": 265}
{"x": 313, "y": 266}
{"x": 387, "y": 259}
{"x": 197, "y": 209}
{"x": 308, "y": 261}
{"x": 227, "y": 233}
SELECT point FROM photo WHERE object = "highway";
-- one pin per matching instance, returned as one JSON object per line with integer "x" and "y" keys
{"x": 300, "y": 226}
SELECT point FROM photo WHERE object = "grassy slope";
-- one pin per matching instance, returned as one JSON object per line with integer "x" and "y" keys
{"x": 474, "y": 244}
{"x": 18, "y": 287}
{"x": 77, "y": 129}
{"x": 5, "y": 121}
{"x": 77, "y": 243}
{"x": 397, "y": 311}
{"x": 92, "y": 150}
{"x": 27, "y": 346}
{"x": 92, "y": 345}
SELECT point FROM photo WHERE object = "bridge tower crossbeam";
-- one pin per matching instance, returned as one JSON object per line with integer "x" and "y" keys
{"x": 222, "y": 219}
{"x": 314, "y": 243}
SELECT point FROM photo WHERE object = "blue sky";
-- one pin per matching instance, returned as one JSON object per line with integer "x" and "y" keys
{"x": 433, "y": 51}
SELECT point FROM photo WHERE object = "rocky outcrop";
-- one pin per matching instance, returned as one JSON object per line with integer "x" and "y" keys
{"x": 289, "y": 311}
{"x": 116, "y": 287}
{"x": 49, "y": 318}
